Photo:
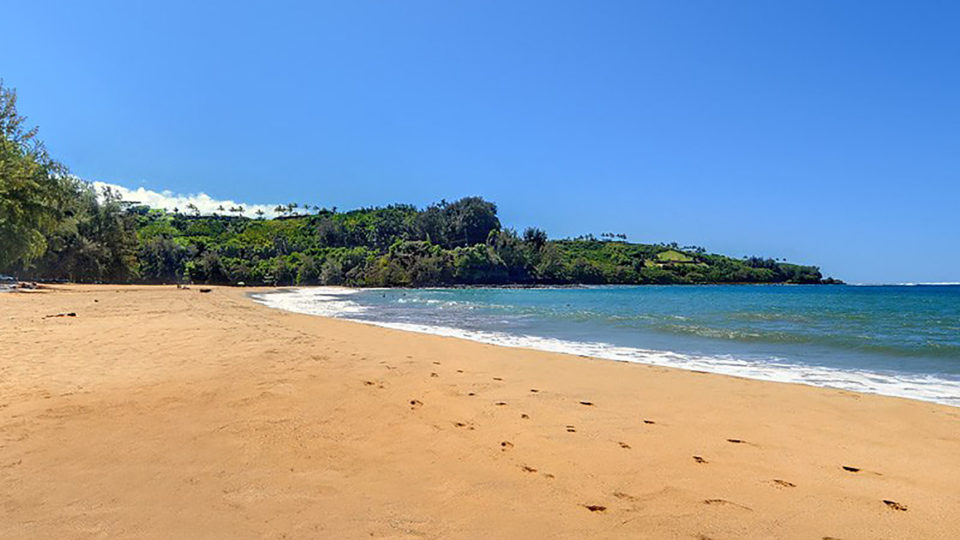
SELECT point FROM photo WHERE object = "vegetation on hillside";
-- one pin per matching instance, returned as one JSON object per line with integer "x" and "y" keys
{"x": 53, "y": 226}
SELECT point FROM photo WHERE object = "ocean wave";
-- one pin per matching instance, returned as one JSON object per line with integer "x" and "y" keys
{"x": 861, "y": 342}
{"x": 335, "y": 302}
{"x": 323, "y": 301}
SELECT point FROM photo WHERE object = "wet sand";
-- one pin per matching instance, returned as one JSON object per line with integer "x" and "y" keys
{"x": 158, "y": 412}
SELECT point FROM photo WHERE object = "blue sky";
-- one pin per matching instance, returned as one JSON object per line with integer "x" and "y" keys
{"x": 823, "y": 132}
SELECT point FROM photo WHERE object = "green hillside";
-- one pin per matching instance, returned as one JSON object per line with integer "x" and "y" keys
{"x": 459, "y": 243}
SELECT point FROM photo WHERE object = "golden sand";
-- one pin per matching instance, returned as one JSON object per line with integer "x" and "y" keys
{"x": 167, "y": 413}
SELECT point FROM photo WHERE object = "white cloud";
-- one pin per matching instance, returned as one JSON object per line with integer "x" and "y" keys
{"x": 167, "y": 199}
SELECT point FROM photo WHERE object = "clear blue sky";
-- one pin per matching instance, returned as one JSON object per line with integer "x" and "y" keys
{"x": 824, "y": 132}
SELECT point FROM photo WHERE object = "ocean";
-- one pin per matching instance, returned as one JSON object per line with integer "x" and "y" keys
{"x": 892, "y": 340}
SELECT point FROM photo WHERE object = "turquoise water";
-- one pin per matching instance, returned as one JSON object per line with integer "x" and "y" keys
{"x": 895, "y": 340}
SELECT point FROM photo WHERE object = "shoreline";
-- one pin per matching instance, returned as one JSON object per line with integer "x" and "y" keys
{"x": 884, "y": 382}
{"x": 180, "y": 413}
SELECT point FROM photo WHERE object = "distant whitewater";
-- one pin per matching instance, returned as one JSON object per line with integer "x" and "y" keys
{"x": 892, "y": 340}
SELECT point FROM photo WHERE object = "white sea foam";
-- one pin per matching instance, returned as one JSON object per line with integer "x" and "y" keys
{"x": 324, "y": 301}
{"x": 335, "y": 302}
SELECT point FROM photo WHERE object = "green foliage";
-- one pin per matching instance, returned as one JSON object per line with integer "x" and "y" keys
{"x": 162, "y": 260}
{"x": 376, "y": 247}
{"x": 32, "y": 188}
{"x": 478, "y": 264}
{"x": 51, "y": 224}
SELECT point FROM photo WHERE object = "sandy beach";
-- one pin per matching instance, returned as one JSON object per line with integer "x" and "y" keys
{"x": 166, "y": 413}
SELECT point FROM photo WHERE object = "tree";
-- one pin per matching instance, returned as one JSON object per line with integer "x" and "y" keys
{"x": 535, "y": 238}
{"x": 308, "y": 273}
{"x": 470, "y": 220}
{"x": 478, "y": 264}
{"x": 331, "y": 272}
{"x": 510, "y": 249}
{"x": 549, "y": 269}
{"x": 33, "y": 188}
{"x": 94, "y": 240}
{"x": 208, "y": 268}
{"x": 431, "y": 224}
{"x": 162, "y": 260}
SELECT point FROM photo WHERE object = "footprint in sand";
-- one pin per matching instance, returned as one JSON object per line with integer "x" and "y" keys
{"x": 624, "y": 445}
{"x": 649, "y": 422}
{"x": 12, "y": 464}
{"x": 534, "y": 390}
{"x": 463, "y": 425}
{"x": 505, "y": 445}
{"x": 571, "y": 429}
{"x": 782, "y": 483}
{"x": 735, "y": 441}
{"x": 624, "y": 496}
{"x": 699, "y": 459}
{"x": 436, "y": 363}
{"x": 471, "y": 393}
{"x": 595, "y": 507}
{"x": 459, "y": 371}
{"x": 434, "y": 374}
{"x": 548, "y": 475}
{"x": 587, "y": 403}
{"x": 724, "y": 502}
{"x": 497, "y": 379}
{"x": 527, "y": 468}
{"x": 500, "y": 403}
{"x": 415, "y": 403}
{"x": 850, "y": 469}
{"x": 894, "y": 505}
{"x": 525, "y": 416}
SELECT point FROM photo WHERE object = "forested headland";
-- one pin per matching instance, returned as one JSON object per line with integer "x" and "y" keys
{"x": 54, "y": 226}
